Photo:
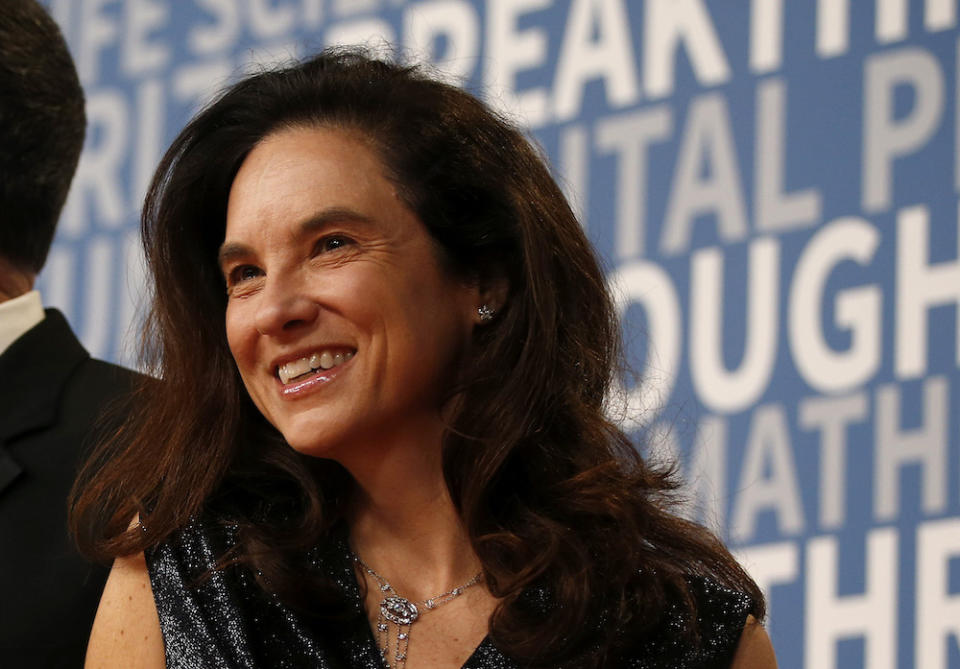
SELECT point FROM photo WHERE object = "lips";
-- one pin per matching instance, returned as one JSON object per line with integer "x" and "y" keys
{"x": 305, "y": 366}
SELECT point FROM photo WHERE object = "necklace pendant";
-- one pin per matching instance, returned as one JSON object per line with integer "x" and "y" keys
{"x": 399, "y": 610}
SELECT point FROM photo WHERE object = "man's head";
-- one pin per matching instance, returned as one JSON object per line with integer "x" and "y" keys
{"x": 42, "y": 125}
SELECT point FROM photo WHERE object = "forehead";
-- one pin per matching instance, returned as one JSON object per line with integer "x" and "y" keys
{"x": 294, "y": 173}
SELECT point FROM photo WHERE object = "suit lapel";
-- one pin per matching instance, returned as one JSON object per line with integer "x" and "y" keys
{"x": 33, "y": 373}
{"x": 9, "y": 469}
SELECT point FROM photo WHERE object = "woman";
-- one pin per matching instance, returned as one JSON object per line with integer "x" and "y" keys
{"x": 384, "y": 346}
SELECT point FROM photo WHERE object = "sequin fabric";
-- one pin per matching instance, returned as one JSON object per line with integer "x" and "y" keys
{"x": 222, "y": 619}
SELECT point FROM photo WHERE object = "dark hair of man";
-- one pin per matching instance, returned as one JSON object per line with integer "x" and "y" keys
{"x": 42, "y": 124}
{"x": 551, "y": 492}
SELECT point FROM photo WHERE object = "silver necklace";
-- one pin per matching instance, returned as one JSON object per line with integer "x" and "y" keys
{"x": 403, "y": 613}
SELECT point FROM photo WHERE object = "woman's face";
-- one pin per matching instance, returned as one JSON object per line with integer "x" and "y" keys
{"x": 343, "y": 324}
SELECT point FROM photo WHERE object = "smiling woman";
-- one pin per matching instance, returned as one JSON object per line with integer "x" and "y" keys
{"x": 334, "y": 264}
{"x": 383, "y": 346}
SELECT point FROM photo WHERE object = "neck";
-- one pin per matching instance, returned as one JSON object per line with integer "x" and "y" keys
{"x": 14, "y": 282}
{"x": 403, "y": 522}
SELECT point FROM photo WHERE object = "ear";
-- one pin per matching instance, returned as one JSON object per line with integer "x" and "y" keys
{"x": 491, "y": 297}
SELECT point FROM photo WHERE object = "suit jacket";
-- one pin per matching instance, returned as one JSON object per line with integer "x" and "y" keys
{"x": 52, "y": 394}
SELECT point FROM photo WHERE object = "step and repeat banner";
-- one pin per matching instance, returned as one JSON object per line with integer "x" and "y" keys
{"x": 774, "y": 189}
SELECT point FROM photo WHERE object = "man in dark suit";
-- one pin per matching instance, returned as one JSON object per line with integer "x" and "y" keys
{"x": 51, "y": 392}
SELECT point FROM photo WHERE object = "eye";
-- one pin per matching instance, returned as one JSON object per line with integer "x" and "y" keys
{"x": 242, "y": 273}
{"x": 332, "y": 243}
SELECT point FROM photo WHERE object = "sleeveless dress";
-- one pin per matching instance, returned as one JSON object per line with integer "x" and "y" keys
{"x": 223, "y": 619}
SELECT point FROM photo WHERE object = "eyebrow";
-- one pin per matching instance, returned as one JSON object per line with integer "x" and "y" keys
{"x": 321, "y": 219}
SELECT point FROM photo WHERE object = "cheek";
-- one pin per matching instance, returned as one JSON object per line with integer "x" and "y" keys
{"x": 239, "y": 338}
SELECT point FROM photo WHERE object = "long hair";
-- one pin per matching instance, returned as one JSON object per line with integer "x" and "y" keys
{"x": 553, "y": 495}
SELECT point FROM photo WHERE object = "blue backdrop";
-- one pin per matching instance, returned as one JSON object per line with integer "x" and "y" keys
{"x": 774, "y": 187}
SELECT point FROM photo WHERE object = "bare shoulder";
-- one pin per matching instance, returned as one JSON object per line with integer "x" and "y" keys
{"x": 126, "y": 630}
{"x": 754, "y": 650}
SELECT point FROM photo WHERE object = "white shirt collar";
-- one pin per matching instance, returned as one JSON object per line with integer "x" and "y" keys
{"x": 19, "y": 315}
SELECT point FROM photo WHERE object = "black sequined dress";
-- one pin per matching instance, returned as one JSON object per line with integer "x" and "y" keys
{"x": 224, "y": 620}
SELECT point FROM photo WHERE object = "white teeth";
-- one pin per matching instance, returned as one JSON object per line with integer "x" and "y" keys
{"x": 293, "y": 369}
{"x": 323, "y": 360}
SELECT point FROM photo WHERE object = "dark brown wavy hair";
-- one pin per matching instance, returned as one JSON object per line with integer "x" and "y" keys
{"x": 553, "y": 495}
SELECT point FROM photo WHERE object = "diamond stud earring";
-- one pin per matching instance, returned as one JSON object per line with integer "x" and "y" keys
{"x": 486, "y": 312}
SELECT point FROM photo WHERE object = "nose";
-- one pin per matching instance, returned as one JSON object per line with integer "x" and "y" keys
{"x": 283, "y": 307}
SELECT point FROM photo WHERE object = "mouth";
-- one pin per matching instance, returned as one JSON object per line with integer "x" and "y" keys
{"x": 301, "y": 369}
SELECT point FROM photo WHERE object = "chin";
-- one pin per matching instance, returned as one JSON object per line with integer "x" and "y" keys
{"x": 310, "y": 446}
{"x": 309, "y": 432}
